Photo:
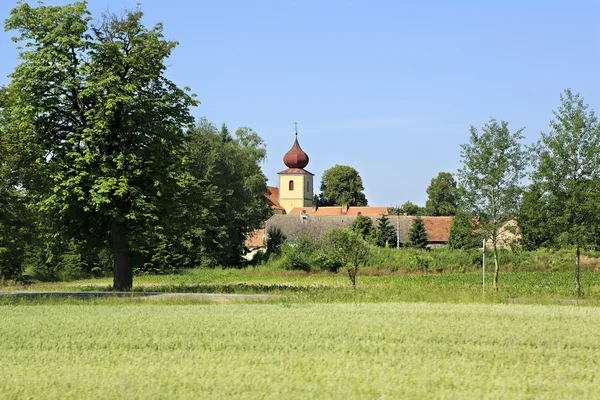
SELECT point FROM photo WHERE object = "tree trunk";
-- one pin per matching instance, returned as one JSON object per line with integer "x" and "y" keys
{"x": 577, "y": 282}
{"x": 496, "y": 268}
{"x": 123, "y": 274}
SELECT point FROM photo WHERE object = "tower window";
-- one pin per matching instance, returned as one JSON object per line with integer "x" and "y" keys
{"x": 307, "y": 186}
{"x": 291, "y": 186}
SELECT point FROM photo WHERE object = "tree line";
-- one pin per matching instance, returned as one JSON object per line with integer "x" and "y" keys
{"x": 102, "y": 165}
{"x": 550, "y": 188}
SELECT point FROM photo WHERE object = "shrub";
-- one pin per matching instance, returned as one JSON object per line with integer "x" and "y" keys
{"x": 347, "y": 247}
{"x": 293, "y": 258}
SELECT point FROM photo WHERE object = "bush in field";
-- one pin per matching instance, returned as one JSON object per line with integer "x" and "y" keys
{"x": 293, "y": 258}
{"x": 348, "y": 248}
{"x": 322, "y": 260}
{"x": 364, "y": 227}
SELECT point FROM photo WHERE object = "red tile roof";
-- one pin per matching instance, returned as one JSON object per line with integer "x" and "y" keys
{"x": 295, "y": 171}
{"x": 437, "y": 228}
{"x": 256, "y": 238}
{"x": 272, "y": 196}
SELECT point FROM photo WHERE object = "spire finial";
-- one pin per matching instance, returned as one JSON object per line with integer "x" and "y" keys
{"x": 296, "y": 126}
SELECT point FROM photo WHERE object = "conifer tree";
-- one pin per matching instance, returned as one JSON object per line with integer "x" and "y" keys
{"x": 417, "y": 235}
{"x": 386, "y": 233}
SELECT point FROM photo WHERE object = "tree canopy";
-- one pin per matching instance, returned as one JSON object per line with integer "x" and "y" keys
{"x": 342, "y": 185}
{"x": 493, "y": 165}
{"x": 567, "y": 175}
{"x": 442, "y": 196}
{"x": 103, "y": 149}
{"x": 408, "y": 208}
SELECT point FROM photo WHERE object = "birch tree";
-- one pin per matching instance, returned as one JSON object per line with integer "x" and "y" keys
{"x": 493, "y": 165}
{"x": 567, "y": 170}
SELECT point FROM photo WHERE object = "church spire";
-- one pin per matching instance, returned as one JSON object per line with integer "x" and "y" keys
{"x": 296, "y": 157}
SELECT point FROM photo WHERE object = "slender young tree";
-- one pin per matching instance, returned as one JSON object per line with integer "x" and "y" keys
{"x": 109, "y": 122}
{"x": 493, "y": 165}
{"x": 568, "y": 173}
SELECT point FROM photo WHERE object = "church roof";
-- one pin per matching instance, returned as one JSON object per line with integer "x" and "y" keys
{"x": 296, "y": 157}
{"x": 295, "y": 171}
{"x": 272, "y": 196}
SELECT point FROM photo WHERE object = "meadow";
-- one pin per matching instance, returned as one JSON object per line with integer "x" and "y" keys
{"x": 286, "y": 350}
{"x": 397, "y": 335}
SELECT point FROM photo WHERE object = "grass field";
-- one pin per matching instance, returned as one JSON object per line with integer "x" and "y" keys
{"x": 395, "y": 336}
{"x": 373, "y": 286}
{"x": 392, "y": 350}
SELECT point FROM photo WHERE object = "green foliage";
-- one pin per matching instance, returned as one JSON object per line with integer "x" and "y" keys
{"x": 463, "y": 232}
{"x": 493, "y": 165}
{"x": 568, "y": 172}
{"x": 442, "y": 196}
{"x": 364, "y": 227}
{"x": 534, "y": 219}
{"x": 417, "y": 235}
{"x": 294, "y": 258}
{"x": 108, "y": 122}
{"x": 386, "y": 232}
{"x": 342, "y": 185}
{"x": 408, "y": 208}
{"x": 275, "y": 239}
{"x": 347, "y": 247}
{"x": 221, "y": 196}
{"x": 306, "y": 255}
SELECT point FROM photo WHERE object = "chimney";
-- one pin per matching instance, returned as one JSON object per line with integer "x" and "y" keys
{"x": 345, "y": 209}
{"x": 314, "y": 208}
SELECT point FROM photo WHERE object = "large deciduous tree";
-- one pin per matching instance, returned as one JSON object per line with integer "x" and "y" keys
{"x": 223, "y": 198}
{"x": 493, "y": 165}
{"x": 342, "y": 185}
{"x": 442, "y": 196}
{"x": 109, "y": 123}
{"x": 15, "y": 220}
{"x": 568, "y": 175}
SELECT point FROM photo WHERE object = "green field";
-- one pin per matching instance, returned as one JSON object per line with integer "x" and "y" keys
{"x": 392, "y": 350}
{"x": 394, "y": 336}
{"x": 373, "y": 286}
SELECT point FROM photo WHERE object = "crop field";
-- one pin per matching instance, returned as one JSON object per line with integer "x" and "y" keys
{"x": 392, "y": 350}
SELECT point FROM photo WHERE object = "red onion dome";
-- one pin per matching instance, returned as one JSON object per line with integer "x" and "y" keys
{"x": 296, "y": 157}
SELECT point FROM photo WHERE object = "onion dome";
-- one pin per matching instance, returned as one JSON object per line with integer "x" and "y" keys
{"x": 296, "y": 157}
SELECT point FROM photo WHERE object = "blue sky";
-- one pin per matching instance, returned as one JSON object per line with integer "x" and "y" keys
{"x": 387, "y": 87}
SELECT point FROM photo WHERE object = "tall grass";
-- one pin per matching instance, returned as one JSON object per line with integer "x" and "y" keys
{"x": 393, "y": 350}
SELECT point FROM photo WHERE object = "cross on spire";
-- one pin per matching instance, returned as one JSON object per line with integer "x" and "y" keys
{"x": 296, "y": 126}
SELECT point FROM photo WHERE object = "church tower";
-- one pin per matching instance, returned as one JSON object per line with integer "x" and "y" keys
{"x": 295, "y": 183}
